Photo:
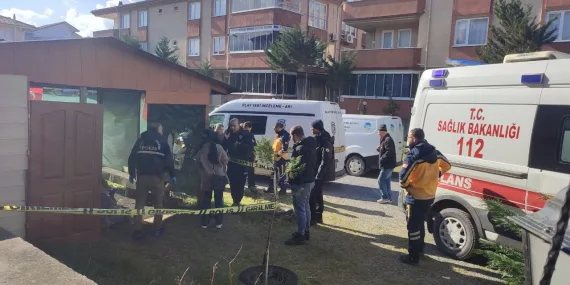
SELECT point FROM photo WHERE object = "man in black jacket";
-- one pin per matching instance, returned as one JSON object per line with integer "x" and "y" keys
{"x": 149, "y": 160}
{"x": 239, "y": 144}
{"x": 302, "y": 180}
{"x": 387, "y": 157}
{"x": 325, "y": 169}
{"x": 247, "y": 126}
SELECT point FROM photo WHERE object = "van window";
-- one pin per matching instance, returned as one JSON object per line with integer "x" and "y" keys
{"x": 258, "y": 123}
{"x": 550, "y": 146}
{"x": 216, "y": 119}
{"x": 565, "y": 149}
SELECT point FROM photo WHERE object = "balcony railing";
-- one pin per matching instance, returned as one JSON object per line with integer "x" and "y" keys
{"x": 404, "y": 58}
{"x": 106, "y": 33}
{"x": 249, "y": 5}
{"x": 382, "y": 9}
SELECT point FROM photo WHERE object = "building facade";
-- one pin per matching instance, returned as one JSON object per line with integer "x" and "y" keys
{"x": 394, "y": 40}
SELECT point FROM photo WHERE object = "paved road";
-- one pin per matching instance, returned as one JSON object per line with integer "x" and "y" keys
{"x": 350, "y": 206}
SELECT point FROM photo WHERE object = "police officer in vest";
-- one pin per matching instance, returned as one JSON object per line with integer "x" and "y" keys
{"x": 149, "y": 160}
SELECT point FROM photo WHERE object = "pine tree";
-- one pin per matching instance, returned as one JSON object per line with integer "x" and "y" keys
{"x": 295, "y": 50}
{"x": 518, "y": 32}
{"x": 132, "y": 41}
{"x": 278, "y": 58}
{"x": 206, "y": 69}
{"x": 165, "y": 51}
{"x": 392, "y": 107}
{"x": 339, "y": 74}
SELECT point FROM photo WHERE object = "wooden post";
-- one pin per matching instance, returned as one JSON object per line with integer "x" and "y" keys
{"x": 82, "y": 95}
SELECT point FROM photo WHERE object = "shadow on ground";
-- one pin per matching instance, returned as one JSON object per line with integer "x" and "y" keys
{"x": 335, "y": 255}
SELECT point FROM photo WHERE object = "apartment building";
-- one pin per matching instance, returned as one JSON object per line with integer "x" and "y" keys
{"x": 232, "y": 34}
{"x": 12, "y": 30}
{"x": 395, "y": 40}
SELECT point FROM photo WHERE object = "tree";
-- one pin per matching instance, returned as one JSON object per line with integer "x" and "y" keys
{"x": 206, "y": 69}
{"x": 278, "y": 58}
{"x": 296, "y": 51}
{"x": 165, "y": 51}
{"x": 517, "y": 32}
{"x": 132, "y": 41}
{"x": 339, "y": 74}
{"x": 392, "y": 108}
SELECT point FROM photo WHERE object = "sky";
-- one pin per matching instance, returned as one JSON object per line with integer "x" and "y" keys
{"x": 75, "y": 12}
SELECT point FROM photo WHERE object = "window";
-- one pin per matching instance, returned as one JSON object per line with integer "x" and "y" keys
{"x": 471, "y": 32}
{"x": 125, "y": 21}
{"x": 348, "y": 30}
{"x": 253, "y": 38}
{"x": 219, "y": 45}
{"x": 404, "y": 38}
{"x": 561, "y": 25}
{"x": 216, "y": 119}
{"x": 247, "y": 5}
{"x": 3, "y": 35}
{"x": 143, "y": 18}
{"x": 193, "y": 47}
{"x": 144, "y": 46}
{"x": 565, "y": 148}
{"x": 387, "y": 39}
{"x": 219, "y": 7}
{"x": 398, "y": 85}
{"x": 159, "y": 11}
{"x": 264, "y": 82}
{"x": 194, "y": 11}
{"x": 258, "y": 123}
{"x": 317, "y": 15}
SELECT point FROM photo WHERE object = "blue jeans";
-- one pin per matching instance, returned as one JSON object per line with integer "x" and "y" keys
{"x": 384, "y": 183}
{"x": 218, "y": 203}
{"x": 301, "y": 195}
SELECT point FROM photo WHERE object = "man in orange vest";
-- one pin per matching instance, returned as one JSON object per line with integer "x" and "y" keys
{"x": 280, "y": 147}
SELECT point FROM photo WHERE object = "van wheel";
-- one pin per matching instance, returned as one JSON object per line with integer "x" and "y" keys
{"x": 454, "y": 233}
{"x": 355, "y": 165}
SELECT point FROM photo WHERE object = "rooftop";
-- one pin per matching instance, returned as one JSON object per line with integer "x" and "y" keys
{"x": 13, "y": 22}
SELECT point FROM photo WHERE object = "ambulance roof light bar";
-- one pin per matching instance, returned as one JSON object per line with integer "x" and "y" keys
{"x": 534, "y": 56}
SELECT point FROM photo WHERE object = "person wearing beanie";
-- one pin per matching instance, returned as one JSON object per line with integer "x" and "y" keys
{"x": 280, "y": 155}
{"x": 387, "y": 161}
{"x": 325, "y": 169}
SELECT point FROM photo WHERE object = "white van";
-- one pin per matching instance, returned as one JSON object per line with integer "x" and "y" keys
{"x": 362, "y": 139}
{"x": 264, "y": 113}
{"x": 505, "y": 128}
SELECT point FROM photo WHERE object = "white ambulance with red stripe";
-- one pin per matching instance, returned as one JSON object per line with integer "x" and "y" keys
{"x": 505, "y": 128}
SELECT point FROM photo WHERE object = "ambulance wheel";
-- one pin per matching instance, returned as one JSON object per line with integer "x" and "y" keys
{"x": 355, "y": 165}
{"x": 454, "y": 233}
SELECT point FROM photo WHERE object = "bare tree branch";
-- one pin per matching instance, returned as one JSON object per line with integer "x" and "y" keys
{"x": 213, "y": 273}
{"x": 230, "y": 265}
{"x": 182, "y": 278}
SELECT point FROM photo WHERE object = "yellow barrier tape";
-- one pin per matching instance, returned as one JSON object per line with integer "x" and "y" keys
{"x": 263, "y": 166}
{"x": 135, "y": 212}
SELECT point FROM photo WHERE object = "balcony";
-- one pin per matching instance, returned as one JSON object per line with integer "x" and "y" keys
{"x": 106, "y": 33}
{"x": 403, "y": 58}
{"x": 366, "y": 13}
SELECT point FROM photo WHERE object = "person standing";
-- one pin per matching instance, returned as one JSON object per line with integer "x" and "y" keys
{"x": 387, "y": 162}
{"x": 280, "y": 148}
{"x": 239, "y": 145}
{"x": 423, "y": 165}
{"x": 302, "y": 182}
{"x": 219, "y": 129}
{"x": 212, "y": 162}
{"x": 325, "y": 169}
{"x": 149, "y": 160}
{"x": 247, "y": 126}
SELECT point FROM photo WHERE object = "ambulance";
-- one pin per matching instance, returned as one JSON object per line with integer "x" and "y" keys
{"x": 264, "y": 113}
{"x": 505, "y": 128}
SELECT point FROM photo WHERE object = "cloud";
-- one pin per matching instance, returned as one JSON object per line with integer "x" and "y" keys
{"x": 87, "y": 23}
{"x": 27, "y": 16}
{"x": 109, "y": 3}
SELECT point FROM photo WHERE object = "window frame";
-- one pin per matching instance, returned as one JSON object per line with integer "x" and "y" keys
{"x": 266, "y": 4}
{"x": 384, "y": 32}
{"x": 410, "y": 41}
{"x": 256, "y": 128}
{"x": 560, "y": 27}
{"x": 270, "y": 85}
{"x": 191, "y": 9}
{"x": 313, "y": 17}
{"x": 145, "y": 24}
{"x": 545, "y": 152}
{"x": 379, "y": 90}
{"x": 223, "y": 40}
{"x": 222, "y": 6}
{"x": 125, "y": 24}
{"x": 190, "y": 40}
{"x": 253, "y": 29}
{"x": 468, "y": 20}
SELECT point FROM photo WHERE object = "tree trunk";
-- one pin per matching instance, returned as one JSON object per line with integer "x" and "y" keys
{"x": 306, "y": 84}
{"x": 283, "y": 83}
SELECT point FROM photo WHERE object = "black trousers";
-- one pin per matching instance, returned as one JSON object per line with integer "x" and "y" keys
{"x": 251, "y": 177}
{"x": 279, "y": 167}
{"x": 237, "y": 174}
{"x": 417, "y": 213}
{"x": 316, "y": 202}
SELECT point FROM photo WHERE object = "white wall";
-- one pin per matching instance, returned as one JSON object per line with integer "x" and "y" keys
{"x": 13, "y": 150}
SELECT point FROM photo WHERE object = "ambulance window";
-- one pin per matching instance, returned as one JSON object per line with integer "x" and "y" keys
{"x": 565, "y": 149}
{"x": 258, "y": 123}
